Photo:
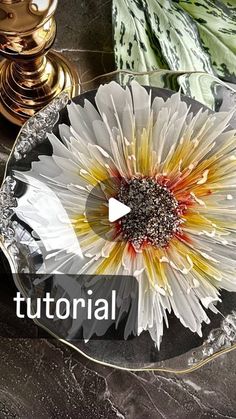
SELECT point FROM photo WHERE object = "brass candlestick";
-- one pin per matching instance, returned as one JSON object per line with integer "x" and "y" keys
{"x": 30, "y": 76}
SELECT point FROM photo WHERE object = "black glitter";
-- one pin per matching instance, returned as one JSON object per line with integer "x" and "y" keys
{"x": 154, "y": 216}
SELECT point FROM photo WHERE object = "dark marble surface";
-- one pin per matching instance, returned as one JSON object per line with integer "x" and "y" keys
{"x": 42, "y": 378}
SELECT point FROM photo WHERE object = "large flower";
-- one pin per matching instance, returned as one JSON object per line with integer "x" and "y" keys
{"x": 176, "y": 171}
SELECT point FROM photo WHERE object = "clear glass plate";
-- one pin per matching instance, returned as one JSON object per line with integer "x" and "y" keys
{"x": 181, "y": 350}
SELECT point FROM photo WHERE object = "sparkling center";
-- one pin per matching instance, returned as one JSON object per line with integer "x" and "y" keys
{"x": 154, "y": 216}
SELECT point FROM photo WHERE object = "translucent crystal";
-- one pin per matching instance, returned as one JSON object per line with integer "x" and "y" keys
{"x": 217, "y": 340}
{"x": 7, "y": 203}
{"x": 36, "y": 128}
{"x": 207, "y": 350}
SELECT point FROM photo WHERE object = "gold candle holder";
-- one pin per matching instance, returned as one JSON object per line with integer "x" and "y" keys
{"x": 30, "y": 76}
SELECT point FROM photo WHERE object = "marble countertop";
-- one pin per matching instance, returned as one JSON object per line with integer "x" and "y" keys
{"x": 42, "y": 378}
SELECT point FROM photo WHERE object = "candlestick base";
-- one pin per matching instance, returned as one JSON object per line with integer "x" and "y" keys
{"x": 28, "y": 86}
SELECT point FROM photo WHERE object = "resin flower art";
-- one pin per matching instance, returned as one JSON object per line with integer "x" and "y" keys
{"x": 175, "y": 169}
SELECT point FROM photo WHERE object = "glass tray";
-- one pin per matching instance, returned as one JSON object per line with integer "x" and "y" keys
{"x": 181, "y": 350}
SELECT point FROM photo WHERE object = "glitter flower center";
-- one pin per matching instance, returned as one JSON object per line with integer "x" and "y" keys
{"x": 155, "y": 216}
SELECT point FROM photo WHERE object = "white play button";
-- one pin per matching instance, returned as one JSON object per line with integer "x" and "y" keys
{"x": 116, "y": 210}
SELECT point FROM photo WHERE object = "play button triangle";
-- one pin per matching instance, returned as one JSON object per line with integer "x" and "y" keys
{"x": 116, "y": 210}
